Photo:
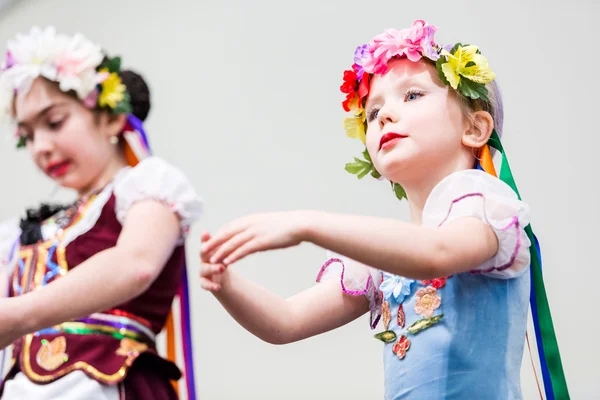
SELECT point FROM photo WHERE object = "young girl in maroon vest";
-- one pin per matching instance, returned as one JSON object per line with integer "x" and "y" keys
{"x": 90, "y": 284}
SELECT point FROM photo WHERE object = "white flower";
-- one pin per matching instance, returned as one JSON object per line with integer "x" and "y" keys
{"x": 69, "y": 61}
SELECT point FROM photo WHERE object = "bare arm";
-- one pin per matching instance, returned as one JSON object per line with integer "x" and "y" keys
{"x": 275, "y": 320}
{"x": 406, "y": 249}
{"x": 109, "y": 278}
{"x": 394, "y": 246}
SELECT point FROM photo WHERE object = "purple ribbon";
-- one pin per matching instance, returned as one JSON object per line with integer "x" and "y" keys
{"x": 138, "y": 125}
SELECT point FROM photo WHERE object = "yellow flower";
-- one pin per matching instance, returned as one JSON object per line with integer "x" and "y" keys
{"x": 113, "y": 91}
{"x": 355, "y": 126}
{"x": 467, "y": 63}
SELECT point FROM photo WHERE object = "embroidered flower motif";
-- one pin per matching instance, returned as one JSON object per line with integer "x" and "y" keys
{"x": 427, "y": 301}
{"x": 52, "y": 355}
{"x": 130, "y": 347}
{"x": 401, "y": 347}
{"x": 401, "y": 318}
{"x": 396, "y": 287}
{"x": 386, "y": 315}
{"x": 437, "y": 283}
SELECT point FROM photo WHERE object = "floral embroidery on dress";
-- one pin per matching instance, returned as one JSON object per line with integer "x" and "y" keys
{"x": 52, "y": 354}
{"x": 427, "y": 301}
{"x": 131, "y": 348}
{"x": 396, "y": 287}
{"x": 423, "y": 324}
{"x": 401, "y": 347}
{"x": 401, "y": 318}
{"x": 386, "y": 337}
{"x": 386, "y": 315}
{"x": 437, "y": 283}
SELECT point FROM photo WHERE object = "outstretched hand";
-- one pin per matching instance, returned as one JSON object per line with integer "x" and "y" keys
{"x": 211, "y": 275}
{"x": 254, "y": 233}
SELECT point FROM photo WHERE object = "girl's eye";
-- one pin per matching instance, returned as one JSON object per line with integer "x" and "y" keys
{"x": 55, "y": 125}
{"x": 413, "y": 95}
{"x": 372, "y": 114}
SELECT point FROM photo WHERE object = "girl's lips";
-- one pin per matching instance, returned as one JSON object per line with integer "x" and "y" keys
{"x": 58, "y": 169}
{"x": 389, "y": 139}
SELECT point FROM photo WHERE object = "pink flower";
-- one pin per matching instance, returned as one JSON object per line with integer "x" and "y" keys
{"x": 91, "y": 100}
{"x": 69, "y": 66}
{"x": 412, "y": 43}
{"x": 401, "y": 347}
{"x": 427, "y": 301}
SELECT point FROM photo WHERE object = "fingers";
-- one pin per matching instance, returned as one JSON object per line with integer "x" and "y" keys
{"x": 204, "y": 256}
{"x": 223, "y": 235}
{"x": 231, "y": 245}
{"x": 249, "y": 247}
{"x": 207, "y": 284}
{"x": 210, "y": 276}
{"x": 208, "y": 270}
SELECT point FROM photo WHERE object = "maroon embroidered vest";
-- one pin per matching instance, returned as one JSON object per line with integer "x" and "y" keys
{"x": 106, "y": 344}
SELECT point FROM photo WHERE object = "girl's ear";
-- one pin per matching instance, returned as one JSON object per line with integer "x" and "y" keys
{"x": 112, "y": 125}
{"x": 479, "y": 131}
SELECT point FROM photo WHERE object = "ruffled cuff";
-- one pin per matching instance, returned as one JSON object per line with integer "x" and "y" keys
{"x": 356, "y": 279}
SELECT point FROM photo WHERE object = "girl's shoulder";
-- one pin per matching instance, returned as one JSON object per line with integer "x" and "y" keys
{"x": 155, "y": 179}
{"x": 475, "y": 193}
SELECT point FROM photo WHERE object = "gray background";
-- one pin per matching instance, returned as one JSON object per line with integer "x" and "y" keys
{"x": 246, "y": 102}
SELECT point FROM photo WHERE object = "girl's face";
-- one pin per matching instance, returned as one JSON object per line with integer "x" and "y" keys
{"x": 415, "y": 123}
{"x": 67, "y": 141}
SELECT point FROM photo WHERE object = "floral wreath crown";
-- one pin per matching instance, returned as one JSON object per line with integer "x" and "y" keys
{"x": 462, "y": 67}
{"x": 77, "y": 65}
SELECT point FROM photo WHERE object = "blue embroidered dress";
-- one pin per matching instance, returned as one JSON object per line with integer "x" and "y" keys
{"x": 458, "y": 337}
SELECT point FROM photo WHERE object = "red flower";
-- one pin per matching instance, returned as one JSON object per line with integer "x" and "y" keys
{"x": 401, "y": 347}
{"x": 350, "y": 82}
{"x": 437, "y": 283}
{"x": 350, "y": 87}
{"x": 346, "y": 103}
